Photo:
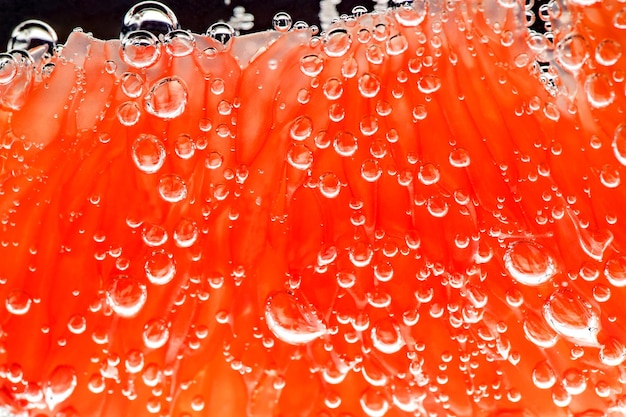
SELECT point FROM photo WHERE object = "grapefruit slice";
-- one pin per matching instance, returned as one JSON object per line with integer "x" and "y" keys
{"x": 406, "y": 215}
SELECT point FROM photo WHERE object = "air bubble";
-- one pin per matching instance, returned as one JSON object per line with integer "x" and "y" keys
{"x": 151, "y": 16}
{"x": 528, "y": 263}
{"x": 386, "y": 336}
{"x": 301, "y": 128}
{"x": 148, "y": 153}
{"x": 282, "y": 22}
{"x": 429, "y": 84}
{"x": 156, "y": 333}
{"x": 337, "y": 42}
{"x": 179, "y": 43}
{"x": 572, "y": 52}
{"x": 345, "y": 144}
{"x": 160, "y": 268}
{"x": 185, "y": 233}
{"x": 300, "y": 156}
{"x": 311, "y": 65}
{"x": 599, "y": 90}
{"x": 459, "y": 158}
{"x": 128, "y": 113}
{"x": 172, "y": 188}
{"x": 572, "y": 317}
{"x": 140, "y": 49}
{"x": 371, "y": 170}
{"x": 154, "y": 235}
{"x": 615, "y": 271}
{"x": 292, "y": 320}
{"x": 368, "y": 85}
{"x": 31, "y": 34}
{"x": 619, "y": 20}
{"x": 412, "y": 15}
{"x": 132, "y": 84}
{"x": 221, "y": 32}
{"x": 537, "y": 331}
{"x": 608, "y": 52}
{"x": 18, "y": 302}
{"x": 167, "y": 98}
{"x": 543, "y": 376}
{"x": 77, "y": 324}
{"x": 8, "y": 68}
{"x": 126, "y": 296}
{"x": 329, "y": 185}
{"x": 184, "y": 146}
{"x": 332, "y": 89}
{"x": 60, "y": 385}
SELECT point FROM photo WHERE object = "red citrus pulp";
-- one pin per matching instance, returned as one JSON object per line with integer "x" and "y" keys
{"x": 417, "y": 212}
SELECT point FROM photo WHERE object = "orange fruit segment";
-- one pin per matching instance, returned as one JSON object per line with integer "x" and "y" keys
{"x": 405, "y": 215}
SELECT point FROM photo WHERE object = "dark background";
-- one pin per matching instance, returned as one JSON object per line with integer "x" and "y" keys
{"x": 104, "y": 18}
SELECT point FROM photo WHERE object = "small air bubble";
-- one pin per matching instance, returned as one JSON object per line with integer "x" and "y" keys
{"x": 282, "y": 22}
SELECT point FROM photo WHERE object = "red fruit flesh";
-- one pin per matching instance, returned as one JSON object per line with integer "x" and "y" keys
{"x": 396, "y": 218}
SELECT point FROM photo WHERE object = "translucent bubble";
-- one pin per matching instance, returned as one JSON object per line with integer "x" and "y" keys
{"x": 612, "y": 352}
{"x": 179, "y": 43}
{"x": 543, "y": 376}
{"x": 374, "y": 403}
{"x": 408, "y": 398}
{"x": 615, "y": 271}
{"x": 368, "y": 85}
{"x": 154, "y": 235}
{"x": 374, "y": 54}
{"x": 214, "y": 160}
{"x": 60, "y": 385}
{"x": 128, "y": 113}
{"x": 301, "y": 128}
{"x": 349, "y": 67}
{"x": 619, "y": 20}
{"x": 160, "y": 267}
{"x": 371, "y": 170}
{"x": 360, "y": 254}
{"x": 572, "y": 52}
{"x": 459, "y": 158}
{"x": 221, "y": 32}
{"x": 396, "y": 45}
{"x": 31, "y": 34}
{"x": 337, "y": 42}
{"x": 537, "y": 331}
{"x": 329, "y": 185}
{"x": 345, "y": 144}
{"x": 134, "y": 361}
{"x": 186, "y": 233}
{"x": 437, "y": 206}
{"x": 619, "y": 143}
{"x": 18, "y": 302}
{"x": 172, "y": 188}
{"x": 184, "y": 146}
{"x": 77, "y": 324}
{"x": 332, "y": 89}
{"x": 140, "y": 49}
{"x": 386, "y": 336}
{"x": 572, "y": 317}
{"x": 428, "y": 174}
{"x": 574, "y": 381}
{"x": 608, "y": 52}
{"x": 156, "y": 333}
{"x": 599, "y": 90}
{"x": 299, "y": 156}
{"x": 428, "y": 84}
{"x": 167, "y": 98}
{"x": 218, "y": 86}
{"x": 8, "y": 68}
{"x": 126, "y": 296}
{"x": 311, "y": 65}
{"x": 413, "y": 14}
{"x": 132, "y": 84}
{"x": 151, "y": 16}
{"x": 292, "y": 320}
{"x": 528, "y": 263}
{"x": 282, "y": 22}
{"x": 368, "y": 125}
{"x": 148, "y": 153}
{"x": 609, "y": 176}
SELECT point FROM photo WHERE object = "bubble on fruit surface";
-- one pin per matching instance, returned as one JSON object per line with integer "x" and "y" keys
{"x": 221, "y": 32}
{"x": 148, "y": 153}
{"x": 184, "y": 146}
{"x": 172, "y": 188}
{"x": 140, "y": 49}
{"x": 126, "y": 295}
{"x": 151, "y": 16}
{"x": 538, "y": 332}
{"x": 128, "y": 113}
{"x": 572, "y": 317}
{"x": 179, "y": 43}
{"x": 599, "y": 90}
{"x": 368, "y": 85}
{"x": 31, "y": 34}
{"x": 154, "y": 235}
{"x": 186, "y": 233}
{"x": 386, "y": 336}
{"x": 429, "y": 84}
{"x": 282, "y": 22}
{"x": 160, "y": 267}
{"x": 77, "y": 324}
{"x": 374, "y": 403}
{"x": 459, "y": 158}
{"x": 572, "y": 52}
{"x": 134, "y": 361}
{"x": 329, "y": 185}
{"x": 299, "y": 156}
{"x": 8, "y": 68}
{"x": 608, "y": 52}
{"x": 411, "y": 15}
{"x": 311, "y": 65}
{"x": 18, "y": 302}
{"x": 528, "y": 263}
{"x": 574, "y": 381}
{"x": 167, "y": 98}
{"x": 371, "y": 170}
{"x": 293, "y": 320}
{"x": 132, "y": 84}
{"x": 336, "y": 42}
{"x": 156, "y": 333}
{"x": 619, "y": 143}
{"x": 301, "y": 128}
{"x": 615, "y": 270}
{"x": 214, "y": 160}
{"x": 543, "y": 375}
{"x": 60, "y": 385}
{"x": 612, "y": 352}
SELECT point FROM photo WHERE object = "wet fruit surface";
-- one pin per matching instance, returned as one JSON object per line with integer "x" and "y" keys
{"x": 415, "y": 212}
